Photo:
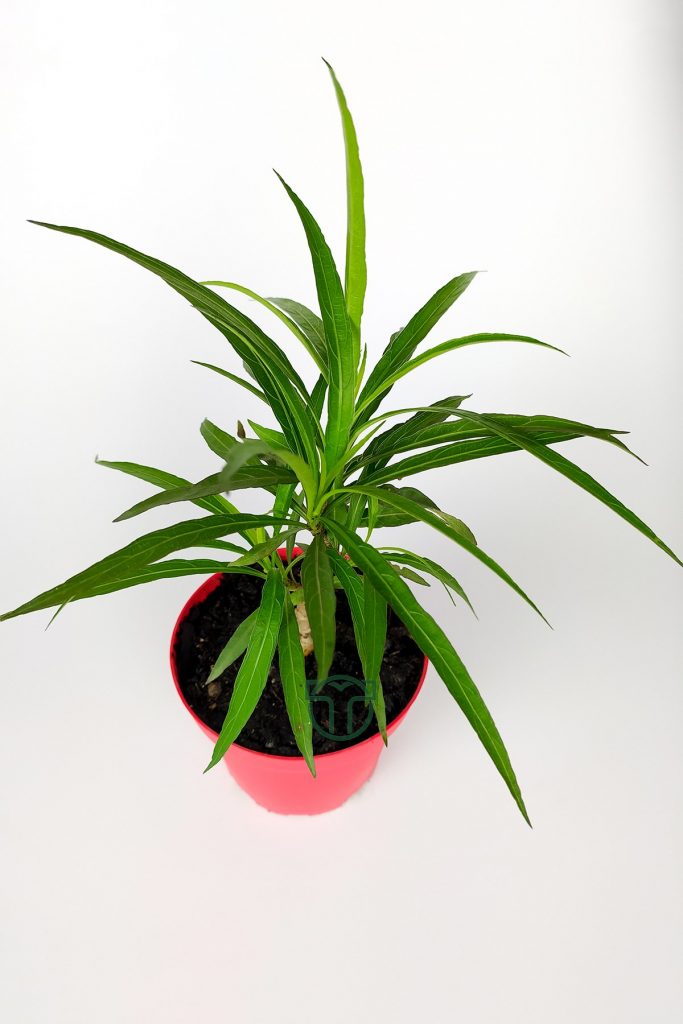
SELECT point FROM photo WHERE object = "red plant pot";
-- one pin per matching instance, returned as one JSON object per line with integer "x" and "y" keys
{"x": 284, "y": 784}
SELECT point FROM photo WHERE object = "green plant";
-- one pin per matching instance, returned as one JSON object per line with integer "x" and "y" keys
{"x": 329, "y": 469}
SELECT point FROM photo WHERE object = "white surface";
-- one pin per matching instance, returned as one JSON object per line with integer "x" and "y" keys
{"x": 538, "y": 140}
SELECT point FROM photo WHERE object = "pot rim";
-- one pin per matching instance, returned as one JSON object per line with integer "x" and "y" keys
{"x": 195, "y": 598}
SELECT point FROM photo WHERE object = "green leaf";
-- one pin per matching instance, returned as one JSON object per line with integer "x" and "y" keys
{"x": 272, "y": 437}
{"x": 263, "y": 550}
{"x": 391, "y": 517}
{"x": 446, "y": 346}
{"x": 375, "y": 614}
{"x": 224, "y": 545}
{"x": 408, "y": 574}
{"x": 236, "y": 646}
{"x": 267, "y": 477}
{"x": 437, "y": 647}
{"x": 427, "y": 565}
{"x": 253, "y": 672}
{"x": 303, "y": 472}
{"x": 404, "y": 342}
{"x": 167, "y": 481}
{"x": 291, "y": 544}
{"x": 545, "y": 429}
{"x": 342, "y": 351}
{"x": 281, "y": 384}
{"x": 371, "y": 515}
{"x": 321, "y": 601}
{"x": 318, "y": 396}
{"x": 361, "y": 367}
{"x": 231, "y": 376}
{"x": 139, "y": 553}
{"x": 243, "y": 478}
{"x": 460, "y": 451}
{"x": 308, "y": 322}
{"x": 219, "y": 441}
{"x": 356, "y": 270}
{"x": 572, "y": 472}
{"x": 170, "y": 569}
{"x": 251, "y": 343}
{"x": 426, "y": 415}
{"x": 318, "y": 354}
{"x": 293, "y": 676}
{"x": 299, "y": 423}
{"x": 284, "y": 497}
{"x": 354, "y": 587}
{"x": 399, "y": 501}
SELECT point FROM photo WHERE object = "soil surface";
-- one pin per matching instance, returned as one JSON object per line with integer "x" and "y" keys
{"x": 207, "y": 629}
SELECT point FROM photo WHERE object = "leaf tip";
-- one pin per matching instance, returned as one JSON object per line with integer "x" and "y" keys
{"x": 519, "y": 800}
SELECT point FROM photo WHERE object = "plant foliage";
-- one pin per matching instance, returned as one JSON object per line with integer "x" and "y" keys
{"x": 329, "y": 469}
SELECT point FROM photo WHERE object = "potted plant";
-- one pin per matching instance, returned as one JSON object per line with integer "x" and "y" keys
{"x": 283, "y": 640}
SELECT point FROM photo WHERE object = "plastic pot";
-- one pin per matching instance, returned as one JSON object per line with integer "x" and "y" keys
{"x": 284, "y": 784}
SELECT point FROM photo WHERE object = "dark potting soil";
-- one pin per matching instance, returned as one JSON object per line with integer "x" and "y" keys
{"x": 206, "y": 630}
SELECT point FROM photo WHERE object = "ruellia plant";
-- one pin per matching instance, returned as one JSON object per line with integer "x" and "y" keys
{"x": 331, "y": 469}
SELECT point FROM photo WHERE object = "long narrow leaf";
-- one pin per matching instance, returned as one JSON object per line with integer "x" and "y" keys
{"x": 241, "y": 479}
{"x": 375, "y": 616}
{"x": 446, "y": 346}
{"x": 354, "y": 588}
{"x": 318, "y": 396}
{"x": 139, "y": 553}
{"x": 301, "y": 470}
{"x": 307, "y": 321}
{"x": 253, "y": 672}
{"x": 167, "y": 481}
{"x": 321, "y": 600}
{"x": 281, "y": 384}
{"x": 236, "y": 646}
{"x": 267, "y": 434}
{"x": 437, "y": 647}
{"x": 219, "y": 441}
{"x": 212, "y": 306}
{"x": 165, "y": 570}
{"x": 356, "y": 270}
{"x": 312, "y": 349}
{"x": 404, "y": 342}
{"x": 233, "y": 377}
{"x": 573, "y": 473}
{"x": 429, "y": 566}
{"x": 451, "y": 454}
{"x": 399, "y": 501}
{"x": 546, "y": 429}
{"x": 390, "y": 517}
{"x": 261, "y": 551}
{"x": 293, "y": 676}
{"x": 342, "y": 349}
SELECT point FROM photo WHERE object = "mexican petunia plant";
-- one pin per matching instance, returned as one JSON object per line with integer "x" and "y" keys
{"x": 331, "y": 469}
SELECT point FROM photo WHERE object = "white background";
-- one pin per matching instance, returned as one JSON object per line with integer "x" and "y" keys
{"x": 539, "y": 141}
